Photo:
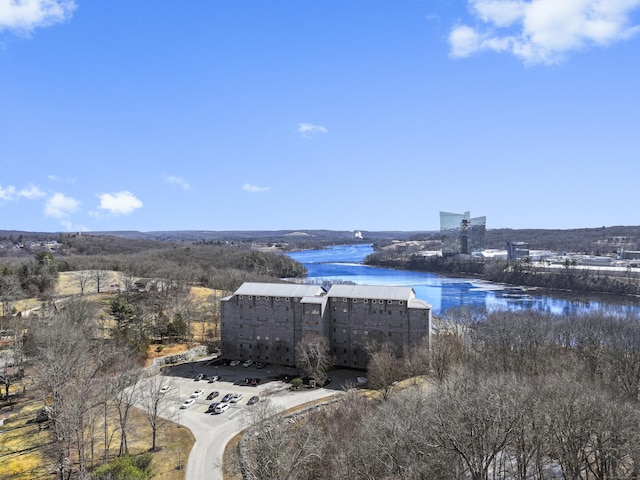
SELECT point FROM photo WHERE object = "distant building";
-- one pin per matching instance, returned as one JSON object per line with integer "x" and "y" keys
{"x": 266, "y": 321}
{"x": 517, "y": 250}
{"x": 461, "y": 234}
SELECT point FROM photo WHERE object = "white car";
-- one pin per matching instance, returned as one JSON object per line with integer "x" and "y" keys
{"x": 164, "y": 389}
{"x": 235, "y": 363}
{"x": 197, "y": 393}
{"x": 235, "y": 398}
{"x": 248, "y": 363}
{"x": 221, "y": 408}
{"x": 187, "y": 403}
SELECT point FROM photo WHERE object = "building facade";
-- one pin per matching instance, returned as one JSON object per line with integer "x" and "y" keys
{"x": 265, "y": 321}
{"x": 461, "y": 234}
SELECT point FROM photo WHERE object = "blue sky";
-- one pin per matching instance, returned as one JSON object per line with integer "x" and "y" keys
{"x": 332, "y": 114}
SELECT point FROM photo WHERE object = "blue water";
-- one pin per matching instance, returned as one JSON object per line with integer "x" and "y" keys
{"x": 443, "y": 293}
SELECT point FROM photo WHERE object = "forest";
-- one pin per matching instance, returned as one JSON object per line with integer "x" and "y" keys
{"x": 500, "y": 395}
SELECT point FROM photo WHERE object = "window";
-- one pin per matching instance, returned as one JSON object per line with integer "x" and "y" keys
{"x": 344, "y": 300}
{"x": 366, "y": 301}
{"x": 249, "y": 297}
{"x": 389, "y": 302}
{"x": 277, "y": 299}
{"x": 401, "y": 302}
{"x": 286, "y": 299}
{"x": 241, "y": 297}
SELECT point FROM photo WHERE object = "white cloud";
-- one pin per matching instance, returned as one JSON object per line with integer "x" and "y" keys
{"x": 177, "y": 181}
{"x": 31, "y": 193}
{"x": 60, "y": 206}
{"x": 7, "y": 193}
{"x": 308, "y": 130}
{"x": 25, "y": 15}
{"x": 254, "y": 188}
{"x": 120, "y": 203}
{"x": 543, "y": 31}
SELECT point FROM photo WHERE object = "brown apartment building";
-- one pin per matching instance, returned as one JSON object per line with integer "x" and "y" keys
{"x": 265, "y": 321}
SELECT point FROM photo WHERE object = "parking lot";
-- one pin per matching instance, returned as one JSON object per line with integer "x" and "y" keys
{"x": 245, "y": 382}
{"x": 212, "y": 431}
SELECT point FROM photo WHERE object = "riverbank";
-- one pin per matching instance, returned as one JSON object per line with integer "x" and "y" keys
{"x": 569, "y": 278}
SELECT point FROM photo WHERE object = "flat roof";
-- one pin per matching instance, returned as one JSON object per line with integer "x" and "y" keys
{"x": 381, "y": 292}
{"x": 279, "y": 290}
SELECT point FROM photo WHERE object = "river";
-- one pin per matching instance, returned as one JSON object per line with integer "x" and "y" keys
{"x": 344, "y": 263}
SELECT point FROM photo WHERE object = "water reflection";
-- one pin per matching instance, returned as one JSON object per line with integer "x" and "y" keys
{"x": 344, "y": 263}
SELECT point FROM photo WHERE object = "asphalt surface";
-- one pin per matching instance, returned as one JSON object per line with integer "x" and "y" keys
{"x": 213, "y": 431}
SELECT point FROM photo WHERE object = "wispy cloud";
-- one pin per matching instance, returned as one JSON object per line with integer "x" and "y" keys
{"x": 55, "y": 178}
{"x": 308, "y": 130}
{"x": 181, "y": 182}
{"x": 7, "y": 193}
{"x": 119, "y": 203}
{"x": 543, "y": 31}
{"x": 254, "y": 188}
{"x": 31, "y": 192}
{"x": 23, "y": 16}
{"x": 10, "y": 193}
{"x": 60, "y": 206}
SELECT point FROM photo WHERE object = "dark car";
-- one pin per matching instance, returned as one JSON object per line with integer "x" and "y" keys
{"x": 212, "y": 407}
{"x": 255, "y": 382}
{"x": 213, "y": 395}
{"x": 253, "y": 400}
{"x": 261, "y": 365}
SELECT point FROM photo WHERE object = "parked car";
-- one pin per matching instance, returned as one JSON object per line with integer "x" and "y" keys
{"x": 253, "y": 400}
{"x": 214, "y": 378}
{"x": 199, "y": 377}
{"x": 234, "y": 363}
{"x": 255, "y": 382}
{"x": 261, "y": 365}
{"x": 212, "y": 407}
{"x": 248, "y": 363}
{"x": 235, "y": 398}
{"x": 187, "y": 403}
{"x": 227, "y": 397}
{"x": 221, "y": 408}
{"x": 213, "y": 395}
{"x": 164, "y": 390}
{"x": 197, "y": 393}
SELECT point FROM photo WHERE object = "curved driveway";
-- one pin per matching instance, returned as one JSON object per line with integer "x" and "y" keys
{"x": 213, "y": 432}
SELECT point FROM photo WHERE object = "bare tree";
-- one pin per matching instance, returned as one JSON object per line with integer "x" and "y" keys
{"x": 99, "y": 276}
{"x": 382, "y": 369}
{"x": 9, "y": 290}
{"x": 279, "y": 451}
{"x": 125, "y": 384}
{"x": 312, "y": 357}
{"x": 447, "y": 351}
{"x": 155, "y": 404}
{"x": 416, "y": 360}
{"x": 473, "y": 418}
{"x": 81, "y": 279}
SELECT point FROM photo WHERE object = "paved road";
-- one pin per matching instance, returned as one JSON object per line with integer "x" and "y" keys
{"x": 213, "y": 432}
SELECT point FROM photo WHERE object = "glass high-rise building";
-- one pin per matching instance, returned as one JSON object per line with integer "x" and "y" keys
{"x": 461, "y": 234}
